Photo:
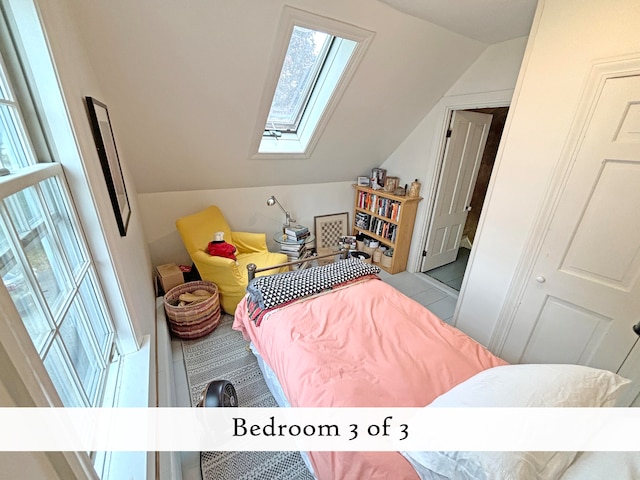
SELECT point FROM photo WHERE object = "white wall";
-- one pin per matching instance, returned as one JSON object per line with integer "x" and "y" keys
{"x": 186, "y": 85}
{"x": 244, "y": 208}
{"x": 124, "y": 261}
{"x": 30, "y": 465}
{"x": 567, "y": 38}
{"x": 495, "y": 70}
{"x": 491, "y": 78}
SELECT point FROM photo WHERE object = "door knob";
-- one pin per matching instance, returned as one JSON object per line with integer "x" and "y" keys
{"x": 636, "y": 328}
{"x": 540, "y": 279}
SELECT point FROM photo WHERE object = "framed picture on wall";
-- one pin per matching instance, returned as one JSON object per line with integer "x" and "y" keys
{"x": 108, "y": 155}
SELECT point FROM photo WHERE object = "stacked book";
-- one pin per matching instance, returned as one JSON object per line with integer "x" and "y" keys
{"x": 293, "y": 250}
{"x": 294, "y": 245}
{"x": 296, "y": 233}
{"x": 306, "y": 253}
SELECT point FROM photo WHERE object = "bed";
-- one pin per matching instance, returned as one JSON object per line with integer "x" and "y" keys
{"x": 338, "y": 336}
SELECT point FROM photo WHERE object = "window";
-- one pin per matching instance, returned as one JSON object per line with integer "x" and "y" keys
{"x": 46, "y": 267}
{"x": 305, "y": 58}
{"x": 317, "y": 58}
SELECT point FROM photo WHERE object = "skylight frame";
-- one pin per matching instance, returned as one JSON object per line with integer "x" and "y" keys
{"x": 347, "y": 51}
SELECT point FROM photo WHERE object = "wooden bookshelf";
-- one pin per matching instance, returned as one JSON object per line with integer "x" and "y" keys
{"x": 390, "y": 221}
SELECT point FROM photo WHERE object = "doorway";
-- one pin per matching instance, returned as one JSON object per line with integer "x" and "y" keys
{"x": 451, "y": 273}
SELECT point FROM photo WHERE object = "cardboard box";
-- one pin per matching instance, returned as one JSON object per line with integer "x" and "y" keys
{"x": 169, "y": 276}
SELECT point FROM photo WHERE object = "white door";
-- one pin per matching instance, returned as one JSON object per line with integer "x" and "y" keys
{"x": 631, "y": 369}
{"x": 462, "y": 158}
{"x": 583, "y": 297}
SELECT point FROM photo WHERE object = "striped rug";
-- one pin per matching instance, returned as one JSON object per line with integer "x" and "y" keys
{"x": 224, "y": 355}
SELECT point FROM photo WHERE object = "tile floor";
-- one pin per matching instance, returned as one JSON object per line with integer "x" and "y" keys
{"x": 437, "y": 297}
{"x": 452, "y": 273}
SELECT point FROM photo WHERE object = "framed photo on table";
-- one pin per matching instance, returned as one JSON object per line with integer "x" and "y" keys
{"x": 329, "y": 230}
{"x": 106, "y": 147}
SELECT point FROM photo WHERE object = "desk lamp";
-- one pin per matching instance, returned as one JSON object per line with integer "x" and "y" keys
{"x": 271, "y": 201}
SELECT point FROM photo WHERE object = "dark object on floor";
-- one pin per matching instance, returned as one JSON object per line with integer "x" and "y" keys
{"x": 193, "y": 275}
{"x": 219, "y": 393}
{"x": 223, "y": 354}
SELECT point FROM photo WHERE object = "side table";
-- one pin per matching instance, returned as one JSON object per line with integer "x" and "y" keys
{"x": 282, "y": 239}
{"x": 295, "y": 250}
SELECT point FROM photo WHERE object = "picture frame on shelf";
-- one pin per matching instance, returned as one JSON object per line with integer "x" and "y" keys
{"x": 378, "y": 175}
{"x": 328, "y": 230}
{"x": 391, "y": 183}
{"x": 109, "y": 161}
{"x": 363, "y": 181}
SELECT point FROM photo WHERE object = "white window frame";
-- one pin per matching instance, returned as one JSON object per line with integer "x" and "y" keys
{"x": 52, "y": 110}
{"x": 21, "y": 178}
{"x": 23, "y": 376}
{"x": 349, "y": 47}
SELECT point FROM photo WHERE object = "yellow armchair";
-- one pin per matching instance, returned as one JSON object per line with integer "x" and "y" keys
{"x": 230, "y": 276}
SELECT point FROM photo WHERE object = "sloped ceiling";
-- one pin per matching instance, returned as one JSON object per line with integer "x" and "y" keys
{"x": 183, "y": 82}
{"x": 488, "y": 21}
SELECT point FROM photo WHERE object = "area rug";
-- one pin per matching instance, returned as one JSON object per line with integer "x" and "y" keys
{"x": 224, "y": 355}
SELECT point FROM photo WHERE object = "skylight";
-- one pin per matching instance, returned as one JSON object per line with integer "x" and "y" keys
{"x": 305, "y": 58}
{"x": 315, "y": 58}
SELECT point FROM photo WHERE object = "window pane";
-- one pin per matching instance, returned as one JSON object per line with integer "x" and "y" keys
{"x": 14, "y": 152}
{"x": 305, "y": 56}
{"x": 97, "y": 314}
{"x": 55, "y": 201}
{"x": 77, "y": 342}
{"x": 5, "y": 92}
{"x": 45, "y": 259}
{"x": 23, "y": 296}
{"x": 62, "y": 378}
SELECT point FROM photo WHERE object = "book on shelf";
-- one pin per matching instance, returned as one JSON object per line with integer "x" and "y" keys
{"x": 296, "y": 231}
{"x": 363, "y": 220}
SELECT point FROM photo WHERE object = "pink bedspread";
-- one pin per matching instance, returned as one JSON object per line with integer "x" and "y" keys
{"x": 367, "y": 345}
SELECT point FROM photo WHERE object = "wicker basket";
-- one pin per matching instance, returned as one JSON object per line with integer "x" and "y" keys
{"x": 368, "y": 250}
{"x": 386, "y": 259}
{"x": 196, "y": 320}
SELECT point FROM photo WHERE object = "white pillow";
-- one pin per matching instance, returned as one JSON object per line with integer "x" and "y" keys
{"x": 527, "y": 385}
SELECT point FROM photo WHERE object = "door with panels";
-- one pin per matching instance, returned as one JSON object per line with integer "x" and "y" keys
{"x": 462, "y": 158}
{"x": 583, "y": 296}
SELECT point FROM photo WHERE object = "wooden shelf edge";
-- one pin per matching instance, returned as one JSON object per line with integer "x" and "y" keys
{"x": 381, "y": 217}
{"x": 400, "y": 198}
{"x": 376, "y": 237}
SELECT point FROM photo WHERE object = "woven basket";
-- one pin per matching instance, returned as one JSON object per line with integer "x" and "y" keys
{"x": 196, "y": 320}
{"x": 386, "y": 260}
